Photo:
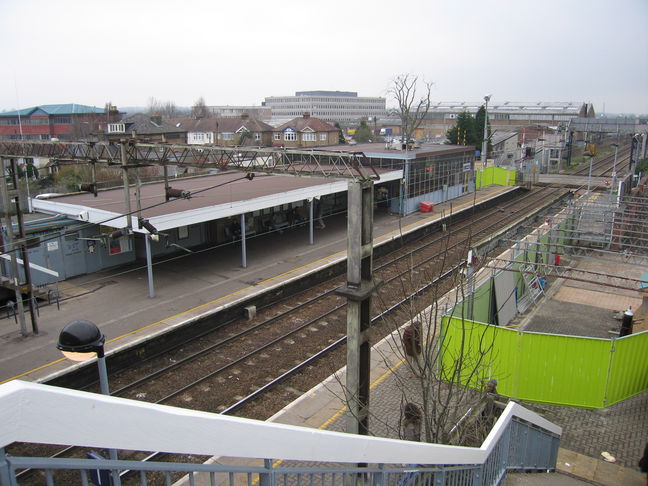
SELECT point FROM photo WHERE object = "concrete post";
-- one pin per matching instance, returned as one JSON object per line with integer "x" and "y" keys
{"x": 124, "y": 162}
{"x": 23, "y": 251}
{"x": 9, "y": 247}
{"x": 243, "y": 246}
{"x": 311, "y": 203}
{"x": 360, "y": 285}
{"x": 149, "y": 266}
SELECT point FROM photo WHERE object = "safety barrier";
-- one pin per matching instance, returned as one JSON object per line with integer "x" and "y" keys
{"x": 489, "y": 176}
{"x": 519, "y": 440}
{"x": 550, "y": 368}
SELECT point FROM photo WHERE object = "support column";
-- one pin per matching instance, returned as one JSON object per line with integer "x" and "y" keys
{"x": 311, "y": 203}
{"x": 358, "y": 289}
{"x": 23, "y": 250}
{"x": 243, "y": 246}
{"x": 124, "y": 163}
{"x": 9, "y": 247}
{"x": 149, "y": 266}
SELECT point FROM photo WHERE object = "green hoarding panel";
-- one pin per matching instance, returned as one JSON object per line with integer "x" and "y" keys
{"x": 563, "y": 370}
{"x": 628, "y": 368}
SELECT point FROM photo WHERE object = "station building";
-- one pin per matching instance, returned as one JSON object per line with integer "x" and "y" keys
{"x": 228, "y": 208}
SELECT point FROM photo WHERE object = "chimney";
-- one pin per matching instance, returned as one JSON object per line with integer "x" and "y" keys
{"x": 306, "y": 114}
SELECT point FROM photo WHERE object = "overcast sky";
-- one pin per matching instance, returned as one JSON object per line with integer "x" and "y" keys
{"x": 239, "y": 52}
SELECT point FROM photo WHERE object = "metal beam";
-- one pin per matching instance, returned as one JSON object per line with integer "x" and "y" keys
{"x": 588, "y": 276}
{"x": 305, "y": 163}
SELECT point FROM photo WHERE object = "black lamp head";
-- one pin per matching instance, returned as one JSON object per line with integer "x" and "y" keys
{"x": 81, "y": 337}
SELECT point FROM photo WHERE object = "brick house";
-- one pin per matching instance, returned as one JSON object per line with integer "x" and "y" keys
{"x": 304, "y": 132}
{"x": 45, "y": 122}
{"x": 145, "y": 129}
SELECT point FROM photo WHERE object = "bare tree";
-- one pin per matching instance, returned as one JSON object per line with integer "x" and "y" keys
{"x": 166, "y": 109}
{"x": 429, "y": 371}
{"x": 410, "y": 108}
{"x": 199, "y": 109}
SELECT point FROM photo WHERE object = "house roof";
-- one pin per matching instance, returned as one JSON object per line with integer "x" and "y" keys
{"x": 145, "y": 125}
{"x": 304, "y": 123}
{"x": 65, "y": 109}
{"x": 501, "y": 135}
{"x": 222, "y": 125}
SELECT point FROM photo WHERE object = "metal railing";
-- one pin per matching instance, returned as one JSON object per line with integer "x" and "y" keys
{"x": 519, "y": 440}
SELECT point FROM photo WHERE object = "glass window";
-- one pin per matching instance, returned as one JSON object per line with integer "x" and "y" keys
{"x": 290, "y": 136}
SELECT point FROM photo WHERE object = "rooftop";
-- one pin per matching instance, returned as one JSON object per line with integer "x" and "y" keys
{"x": 64, "y": 109}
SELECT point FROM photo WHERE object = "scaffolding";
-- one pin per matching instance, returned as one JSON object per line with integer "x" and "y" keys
{"x": 597, "y": 226}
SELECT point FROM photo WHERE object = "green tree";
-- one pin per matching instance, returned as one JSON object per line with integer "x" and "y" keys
{"x": 341, "y": 139}
{"x": 479, "y": 129}
{"x": 363, "y": 133}
{"x": 464, "y": 131}
{"x": 31, "y": 170}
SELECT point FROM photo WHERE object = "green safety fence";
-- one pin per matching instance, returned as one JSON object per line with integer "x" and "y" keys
{"x": 547, "y": 368}
{"x": 495, "y": 176}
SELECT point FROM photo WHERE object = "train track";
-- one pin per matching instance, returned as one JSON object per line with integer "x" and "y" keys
{"x": 237, "y": 365}
{"x": 605, "y": 166}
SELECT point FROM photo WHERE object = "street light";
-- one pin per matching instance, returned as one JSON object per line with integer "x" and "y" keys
{"x": 80, "y": 341}
{"x": 485, "y": 142}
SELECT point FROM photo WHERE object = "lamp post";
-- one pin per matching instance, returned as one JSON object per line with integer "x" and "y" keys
{"x": 80, "y": 341}
{"x": 485, "y": 142}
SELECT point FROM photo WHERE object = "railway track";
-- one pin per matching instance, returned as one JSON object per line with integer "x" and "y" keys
{"x": 605, "y": 166}
{"x": 237, "y": 365}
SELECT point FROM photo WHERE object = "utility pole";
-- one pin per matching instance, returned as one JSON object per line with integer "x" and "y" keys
{"x": 358, "y": 289}
{"x": 124, "y": 163}
{"x": 485, "y": 142}
{"x": 23, "y": 250}
{"x": 9, "y": 247}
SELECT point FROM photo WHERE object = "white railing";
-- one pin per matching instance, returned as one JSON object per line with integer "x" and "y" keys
{"x": 50, "y": 415}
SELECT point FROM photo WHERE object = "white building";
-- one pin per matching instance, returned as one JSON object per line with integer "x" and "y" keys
{"x": 330, "y": 106}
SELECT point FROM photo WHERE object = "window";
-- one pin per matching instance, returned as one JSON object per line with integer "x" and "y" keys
{"x": 116, "y": 128}
{"x": 308, "y": 137}
{"x": 228, "y": 136}
{"x": 323, "y": 137}
{"x": 257, "y": 136}
{"x": 290, "y": 136}
{"x": 277, "y": 136}
{"x": 119, "y": 245}
{"x": 57, "y": 120}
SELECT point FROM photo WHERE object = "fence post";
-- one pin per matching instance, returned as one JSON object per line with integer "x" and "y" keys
{"x": 609, "y": 371}
{"x": 5, "y": 477}
{"x": 379, "y": 477}
{"x": 267, "y": 478}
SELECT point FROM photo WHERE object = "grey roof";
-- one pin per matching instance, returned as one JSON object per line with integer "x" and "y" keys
{"x": 501, "y": 135}
{"x": 144, "y": 125}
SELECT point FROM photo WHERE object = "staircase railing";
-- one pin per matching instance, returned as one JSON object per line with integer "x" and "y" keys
{"x": 519, "y": 440}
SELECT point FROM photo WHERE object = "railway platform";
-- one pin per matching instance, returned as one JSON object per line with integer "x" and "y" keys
{"x": 190, "y": 287}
